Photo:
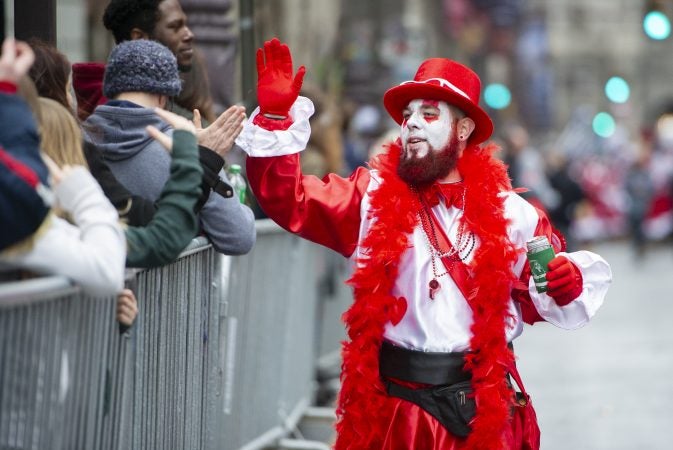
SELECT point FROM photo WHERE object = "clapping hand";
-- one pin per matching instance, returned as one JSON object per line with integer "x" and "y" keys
{"x": 221, "y": 134}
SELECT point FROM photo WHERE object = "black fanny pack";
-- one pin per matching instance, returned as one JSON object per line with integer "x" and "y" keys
{"x": 450, "y": 399}
{"x": 452, "y": 405}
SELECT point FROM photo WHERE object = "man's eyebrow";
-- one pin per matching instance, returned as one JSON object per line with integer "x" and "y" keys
{"x": 430, "y": 103}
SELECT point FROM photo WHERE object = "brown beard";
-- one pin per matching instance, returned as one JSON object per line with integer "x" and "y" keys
{"x": 421, "y": 172}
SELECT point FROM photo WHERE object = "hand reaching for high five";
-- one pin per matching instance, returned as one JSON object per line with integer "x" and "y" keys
{"x": 220, "y": 135}
{"x": 277, "y": 86}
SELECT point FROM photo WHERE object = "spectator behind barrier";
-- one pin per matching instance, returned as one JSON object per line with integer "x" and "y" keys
{"x": 51, "y": 70}
{"x": 142, "y": 75}
{"x": 174, "y": 224}
{"x": 91, "y": 255}
{"x": 51, "y": 75}
{"x": 163, "y": 21}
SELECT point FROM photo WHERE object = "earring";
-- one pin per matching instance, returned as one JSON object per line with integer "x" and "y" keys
{"x": 461, "y": 137}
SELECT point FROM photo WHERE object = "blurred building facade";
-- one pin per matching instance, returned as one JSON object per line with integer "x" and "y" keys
{"x": 554, "y": 56}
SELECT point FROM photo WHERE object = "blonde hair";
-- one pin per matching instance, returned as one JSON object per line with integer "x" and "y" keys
{"x": 61, "y": 137}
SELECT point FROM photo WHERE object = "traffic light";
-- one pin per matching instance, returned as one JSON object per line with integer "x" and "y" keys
{"x": 656, "y": 22}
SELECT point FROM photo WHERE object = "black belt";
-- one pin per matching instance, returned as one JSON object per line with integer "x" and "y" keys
{"x": 449, "y": 399}
{"x": 422, "y": 367}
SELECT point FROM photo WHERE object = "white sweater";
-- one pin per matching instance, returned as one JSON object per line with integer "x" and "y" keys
{"x": 92, "y": 254}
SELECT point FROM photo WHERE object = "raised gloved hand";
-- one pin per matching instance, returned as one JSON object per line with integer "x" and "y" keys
{"x": 277, "y": 89}
{"x": 564, "y": 280}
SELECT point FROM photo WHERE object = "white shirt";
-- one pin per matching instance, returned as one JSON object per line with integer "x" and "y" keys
{"x": 443, "y": 324}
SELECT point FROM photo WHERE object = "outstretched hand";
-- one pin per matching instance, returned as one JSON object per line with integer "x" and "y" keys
{"x": 564, "y": 280}
{"x": 17, "y": 57}
{"x": 277, "y": 86}
{"x": 220, "y": 135}
{"x": 175, "y": 121}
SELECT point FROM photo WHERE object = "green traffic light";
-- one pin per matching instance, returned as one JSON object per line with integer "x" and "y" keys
{"x": 656, "y": 25}
{"x": 604, "y": 125}
{"x": 497, "y": 96}
{"x": 617, "y": 90}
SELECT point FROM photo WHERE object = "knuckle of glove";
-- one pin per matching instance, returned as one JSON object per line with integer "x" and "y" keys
{"x": 557, "y": 262}
{"x": 557, "y": 287}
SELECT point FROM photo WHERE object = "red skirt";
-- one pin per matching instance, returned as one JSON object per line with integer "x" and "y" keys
{"x": 411, "y": 428}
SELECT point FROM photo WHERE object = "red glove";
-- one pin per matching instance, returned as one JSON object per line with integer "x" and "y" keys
{"x": 564, "y": 280}
{"x": 276, "y": 89}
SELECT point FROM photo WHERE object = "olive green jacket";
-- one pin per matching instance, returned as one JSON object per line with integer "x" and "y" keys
{"x": 174, "y": 223}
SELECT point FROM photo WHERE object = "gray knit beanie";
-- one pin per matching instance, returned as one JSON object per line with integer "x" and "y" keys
{"x": 141, "y": 66}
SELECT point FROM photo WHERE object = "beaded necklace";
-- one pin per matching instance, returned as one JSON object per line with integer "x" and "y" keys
{"x": 465, "y": 245}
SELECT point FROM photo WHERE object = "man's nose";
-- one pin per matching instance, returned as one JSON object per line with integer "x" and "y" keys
{"x": 413, "y": 121}
{"x": 189, "y": 36}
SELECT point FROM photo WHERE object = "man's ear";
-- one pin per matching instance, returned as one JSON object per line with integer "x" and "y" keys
{"x": 137, "y": 33}
{"x": 466, "y": 127}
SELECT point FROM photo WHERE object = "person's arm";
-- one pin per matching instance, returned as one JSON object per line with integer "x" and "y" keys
{"x": 92, "y": 252}
{"x": 174, "y": 224}
{"x": 325, "y": 211}
{"x": 228, "y": 224}
{"x": 577, "y": 284}
{"x": 212, "y": 164}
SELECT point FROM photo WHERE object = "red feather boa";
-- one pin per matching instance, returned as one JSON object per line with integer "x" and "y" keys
{"x": 393, "y": 206}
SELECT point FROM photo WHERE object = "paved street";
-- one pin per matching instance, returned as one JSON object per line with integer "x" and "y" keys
{"x": 609, "y": 385}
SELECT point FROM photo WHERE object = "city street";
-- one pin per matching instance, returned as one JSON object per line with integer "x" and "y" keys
{"x": 609, "y": 385}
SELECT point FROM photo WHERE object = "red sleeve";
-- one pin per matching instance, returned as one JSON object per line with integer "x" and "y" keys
{"x": 520, "y": 292}
{"x": 324, "y": 211}
{"x": 7, "y": 87}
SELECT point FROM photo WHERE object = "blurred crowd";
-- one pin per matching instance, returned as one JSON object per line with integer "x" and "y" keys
{"x": 620, "y": 189}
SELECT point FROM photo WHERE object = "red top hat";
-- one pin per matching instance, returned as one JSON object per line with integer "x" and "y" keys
{"x": 447, "y": 80}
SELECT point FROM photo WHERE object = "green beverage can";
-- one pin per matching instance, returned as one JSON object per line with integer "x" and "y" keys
{"x": 540, "y": 252}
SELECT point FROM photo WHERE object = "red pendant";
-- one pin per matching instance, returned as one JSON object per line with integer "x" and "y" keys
{"x": 434, "y": 287}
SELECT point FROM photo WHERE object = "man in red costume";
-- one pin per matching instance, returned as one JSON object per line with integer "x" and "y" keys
{"x": 438, "y": 238}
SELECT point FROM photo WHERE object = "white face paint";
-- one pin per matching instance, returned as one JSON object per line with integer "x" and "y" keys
{"x": 426, "y": 126}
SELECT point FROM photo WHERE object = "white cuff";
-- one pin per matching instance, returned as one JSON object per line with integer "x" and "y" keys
{"x": 256, "y": 141}
{"x": 596, "y": 278}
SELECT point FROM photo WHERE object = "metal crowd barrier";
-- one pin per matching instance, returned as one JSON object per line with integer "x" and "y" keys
{"x": 222, "y": 355}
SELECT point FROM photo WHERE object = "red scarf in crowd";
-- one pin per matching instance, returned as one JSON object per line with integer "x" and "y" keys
{"x": 362, "y": 404}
